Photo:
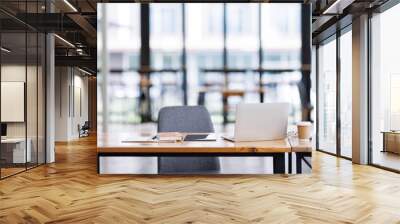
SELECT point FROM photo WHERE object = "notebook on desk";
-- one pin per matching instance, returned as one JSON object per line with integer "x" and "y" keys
{"x": 173, "y": 137}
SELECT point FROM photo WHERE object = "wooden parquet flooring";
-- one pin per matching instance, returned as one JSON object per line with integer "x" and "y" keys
{"x": 70, "y": 191}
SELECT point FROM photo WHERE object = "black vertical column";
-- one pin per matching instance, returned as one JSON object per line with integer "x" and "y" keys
{"x": 338, "y": 77}
{"x": 184, "y": 70}
{"x": 305, "y": 83}
{"x": 260, "y": 56}
{"x": 144, "y": 99}
{"x": 225, "y": 66}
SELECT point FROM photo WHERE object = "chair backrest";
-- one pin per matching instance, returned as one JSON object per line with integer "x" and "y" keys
{"x": 86, "y": 125}
{"x": 195, "y": 119}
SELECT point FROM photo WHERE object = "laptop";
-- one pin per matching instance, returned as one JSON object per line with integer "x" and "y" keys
{"x": 260, "y": 122}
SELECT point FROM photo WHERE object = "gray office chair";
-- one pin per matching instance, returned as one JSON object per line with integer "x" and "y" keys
{"x": 186, "y": 119}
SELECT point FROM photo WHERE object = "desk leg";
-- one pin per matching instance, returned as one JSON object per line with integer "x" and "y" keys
{"x": 299, "y": 167}
{"x": 300, "y": 156}
{"x": 98, "y": 163}
{"x": 279, "y": 163}
{"x": 290, "y": 163}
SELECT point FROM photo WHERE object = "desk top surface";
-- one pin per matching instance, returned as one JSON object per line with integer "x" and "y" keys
{"x": 114, "y": 143}
{"x": 300, "y": 145}
{"x": 391, "y": 132}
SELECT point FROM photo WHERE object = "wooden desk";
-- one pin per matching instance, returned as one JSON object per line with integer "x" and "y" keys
{"x": 14, "y": 150}
{"x": 112, "y": 145}
{"x": 302, "y": 149}
{"x": 391, "y": 141}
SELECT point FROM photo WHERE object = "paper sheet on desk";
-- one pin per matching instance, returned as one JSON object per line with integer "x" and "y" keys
{"x": 147, "y": 140}
{"x": 140, "y": 139}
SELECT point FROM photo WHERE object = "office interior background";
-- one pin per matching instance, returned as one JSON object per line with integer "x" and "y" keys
{"x": 71, "y": 69}
{"x": 252, "y": 54}
{"x": 198, "y": 53}
{"x": 252, "y": 48}
{"x": 234, "y": 46}
{"x": 27, "y": 58}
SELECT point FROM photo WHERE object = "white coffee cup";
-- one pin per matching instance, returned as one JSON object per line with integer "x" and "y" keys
{"x": 304, "y": 130}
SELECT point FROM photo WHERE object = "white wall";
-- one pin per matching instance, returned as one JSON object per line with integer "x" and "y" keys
{"x": 34, "y": 125}
{"x": 71, "y": 102}
{"x": 17, "y": 73}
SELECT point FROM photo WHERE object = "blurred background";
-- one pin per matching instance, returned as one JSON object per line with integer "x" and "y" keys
{"x": 216, "y": 55}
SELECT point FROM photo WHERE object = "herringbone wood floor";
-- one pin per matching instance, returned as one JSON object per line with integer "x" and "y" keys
{"x": 70, "y": 191}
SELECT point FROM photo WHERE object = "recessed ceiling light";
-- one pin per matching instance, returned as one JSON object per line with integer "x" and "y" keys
{"x": 84, "y": 71}
{"x": 64, "y": 40}
{"x": 337, "y": 7}
{"x": 70, "y": 5}
{"x": 5, "y": 50}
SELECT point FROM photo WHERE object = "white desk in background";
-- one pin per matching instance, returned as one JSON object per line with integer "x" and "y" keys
{"x": 18, "y": 149}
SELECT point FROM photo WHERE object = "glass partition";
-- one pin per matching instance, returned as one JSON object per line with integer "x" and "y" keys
{"x": 23, "y": 91}
{"x": 15, "y": 149}
{"x": 327, "y": 96}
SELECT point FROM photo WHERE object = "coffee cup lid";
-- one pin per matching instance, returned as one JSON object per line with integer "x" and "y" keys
{"x": 304, "y": 123}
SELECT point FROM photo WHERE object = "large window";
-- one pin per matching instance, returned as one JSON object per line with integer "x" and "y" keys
{"x": 335, "y": 73}
{"x": 198, "y": 52}
{"x": 385, "y": 89}
{"x": 119, "y": 53}
{"x": 205, "y": 47}
{"x": 327, "y": 96}
{"x": 281, "y": 45}
{"x": 346, "y": 94}
{"x": 166, "y": 47}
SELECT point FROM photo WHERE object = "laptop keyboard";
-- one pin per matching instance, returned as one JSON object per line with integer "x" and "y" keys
{"x": 194, "y": 137}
